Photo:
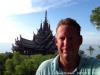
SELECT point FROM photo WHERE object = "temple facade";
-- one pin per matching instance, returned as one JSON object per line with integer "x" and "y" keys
{"x": 42, "y": 42}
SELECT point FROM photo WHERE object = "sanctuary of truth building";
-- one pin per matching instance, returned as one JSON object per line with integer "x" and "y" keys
{"x": 42, "y": 42}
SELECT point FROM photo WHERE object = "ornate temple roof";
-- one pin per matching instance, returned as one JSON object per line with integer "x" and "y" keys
{"x": 26, "y": 42}
{"x": 43, "y": 40}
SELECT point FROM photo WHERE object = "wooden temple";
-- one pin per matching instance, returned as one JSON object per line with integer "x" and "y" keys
{"x": 42, "y": 42}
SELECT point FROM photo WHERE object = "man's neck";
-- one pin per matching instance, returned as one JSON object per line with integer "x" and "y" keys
{"x": 69, "y": 66}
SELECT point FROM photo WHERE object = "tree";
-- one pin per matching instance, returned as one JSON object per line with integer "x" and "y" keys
{"x": 95, "y": 17}
{"x": 2, "y": 62}
{"x": 98, "y": 56}
{"x": 81, "y": 53}
{"x": 99, "y": 46}
{"x": 91, "y": 49}
{"x": 18, "y": 64}
{"x": 9, "y": 67}
{"x": 8, "y": 54}
{"x": 25, "y": 68}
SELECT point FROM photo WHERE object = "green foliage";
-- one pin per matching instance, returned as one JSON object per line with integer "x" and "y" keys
{"x": 37, "y": 59}
{"x": 8, "y": 54}
{"x": 2, "y": 61}
{"x": 95, "y": 17}
{"x": 18, "y": 58}
{"x": 25, "y": 68}
{"x": 9, "y": 67}
{"x": 98, "y": 56}
{"x": 18, "y": 64}
{"x": 3, "y": 58}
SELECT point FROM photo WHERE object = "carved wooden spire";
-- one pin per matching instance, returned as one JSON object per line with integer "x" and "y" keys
{"x": 46, "y": 15}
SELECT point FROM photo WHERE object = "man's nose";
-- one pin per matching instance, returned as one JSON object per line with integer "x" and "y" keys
{"x": 67, "y": 41}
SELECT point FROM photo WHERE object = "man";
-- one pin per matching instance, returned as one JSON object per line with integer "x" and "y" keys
{"x": 68, "y": 62}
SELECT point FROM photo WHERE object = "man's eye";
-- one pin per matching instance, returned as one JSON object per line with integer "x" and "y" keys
{"x": 62, "y": 38}
{"x": 70, "y": 38}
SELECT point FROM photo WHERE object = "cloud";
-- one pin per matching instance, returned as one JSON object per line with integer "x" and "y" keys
{"x": 13, "y": 7}
{"x": 9, "y": 30}
{"x": 47, "y": 4}
{"x": 91, "y": 38}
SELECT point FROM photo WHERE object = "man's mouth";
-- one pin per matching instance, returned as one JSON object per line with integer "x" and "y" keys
{"x": 67, "y": 51}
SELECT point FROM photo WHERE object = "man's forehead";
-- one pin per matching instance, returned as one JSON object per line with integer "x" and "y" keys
{"x": 65, "y": 28}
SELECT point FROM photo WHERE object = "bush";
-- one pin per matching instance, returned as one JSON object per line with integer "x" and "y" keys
{"x": 98, "y": 56}
{"x": 24, "y": 64}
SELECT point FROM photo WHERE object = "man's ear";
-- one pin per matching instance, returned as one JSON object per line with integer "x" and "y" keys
{"x": 81, "y": 39}
{"x": 55, "y": 39}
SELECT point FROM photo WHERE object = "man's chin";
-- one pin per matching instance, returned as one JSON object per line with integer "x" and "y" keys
{"x": 68, "y": 56}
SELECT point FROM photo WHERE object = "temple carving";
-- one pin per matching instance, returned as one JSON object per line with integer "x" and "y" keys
{"x": 42, "y": 42}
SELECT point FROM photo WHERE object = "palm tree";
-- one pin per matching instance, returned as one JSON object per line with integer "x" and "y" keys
{"x": 95, "y": 17}
{"x": 98, "y": 56}
{"x": 99, "y": 46}
{"x": 81, "y": 52}
{"x": 91, "y": 49}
